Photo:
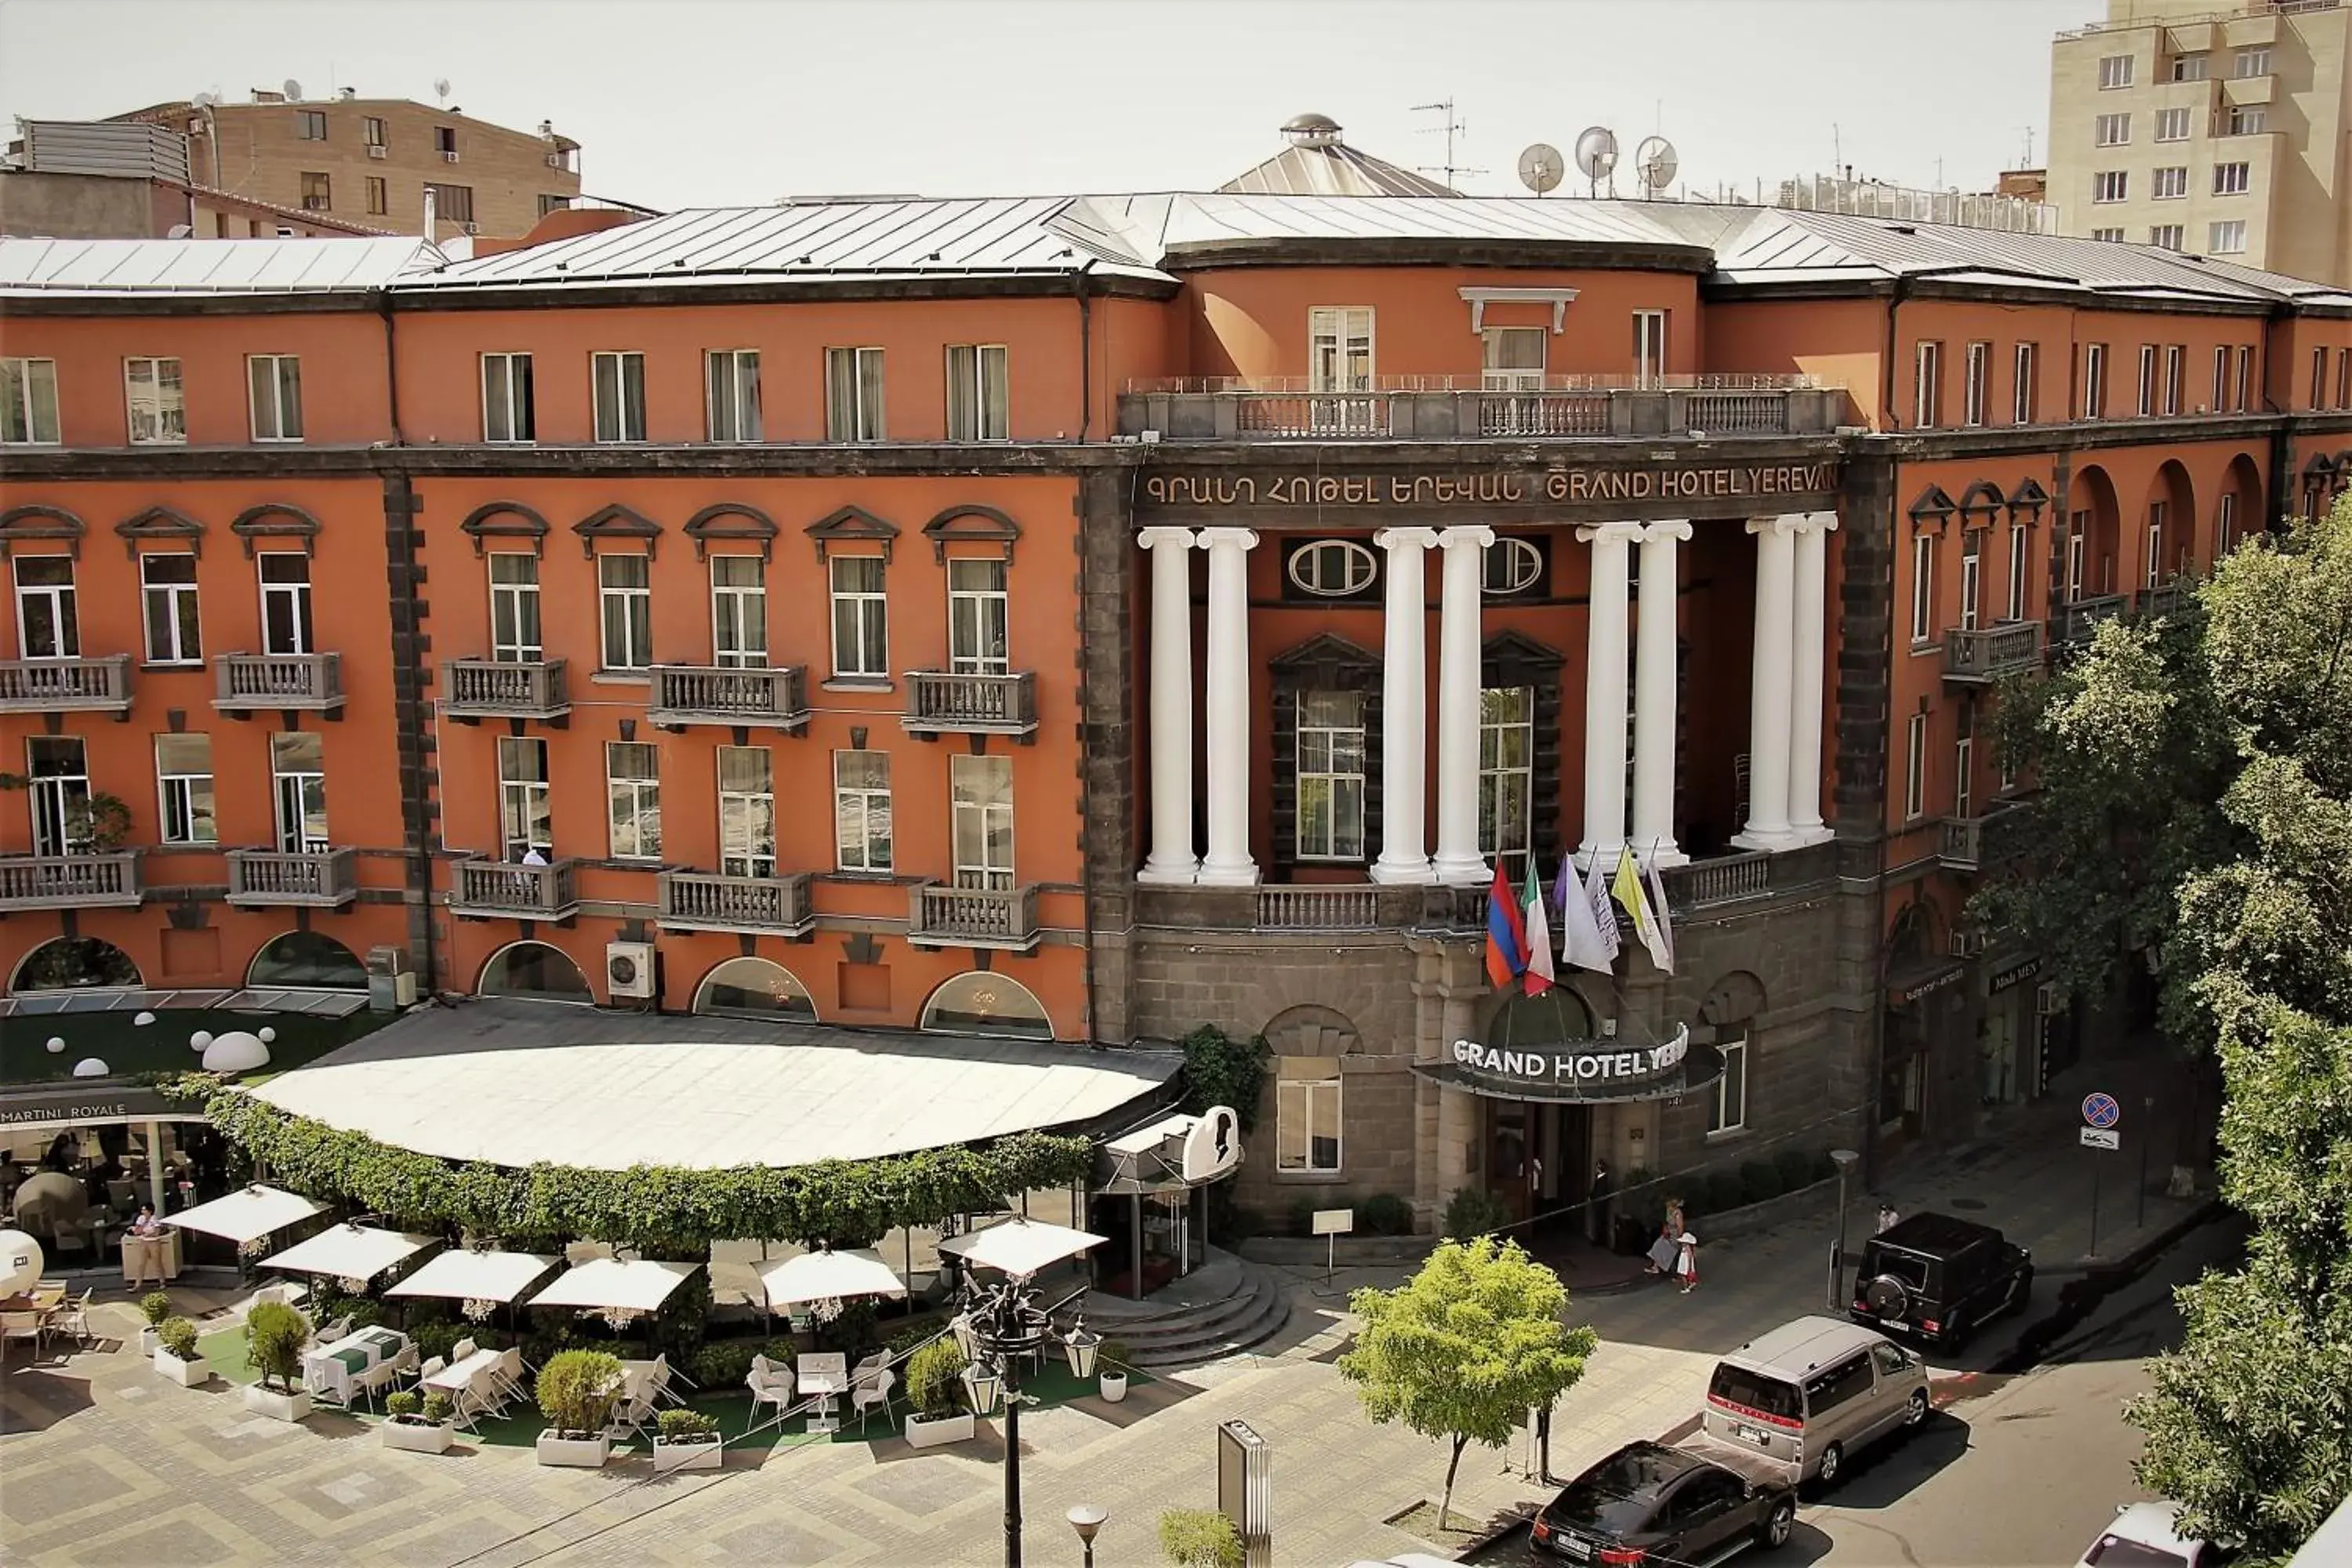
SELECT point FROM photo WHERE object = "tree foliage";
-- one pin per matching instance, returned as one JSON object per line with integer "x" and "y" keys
{"x": 1221, "y": 1070}
{"x": 1198, "y": 1538}
{"x": 275, "y": 1334}
{"x": 1466, "y": 1347}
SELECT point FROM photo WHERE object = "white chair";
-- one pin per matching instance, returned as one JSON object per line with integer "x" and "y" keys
{"x": 329, "y": 1334}
{"x": 506, "y": 1377}
{"x": 770, "y": 1382}
{"x": 384, "y": 1375}
{"x": 431, "y": 1368}
{"x": 72, "y": 1320}
{"x": 21, "y": 1327}
{"x": 868, "y": 1395}
{"x": 461, "y": 1350}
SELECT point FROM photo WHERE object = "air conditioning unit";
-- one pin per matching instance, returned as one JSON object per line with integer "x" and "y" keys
{"x": 451, "y": 155}
{"x": 1968, "y": 943}
{"x": 629, "y": 969}
{"x": 379, "y": 153}
{"x": 471, "y": 228}
{"x": 2047, "y": 1001}
{"x": 555, "y": 160}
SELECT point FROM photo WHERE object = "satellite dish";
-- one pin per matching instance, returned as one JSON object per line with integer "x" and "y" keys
{"x": 1540, "y": 168}
{"x": 1596, "y": 154}
{"x": 207, "y": 100}
{"x": 292, "y": 88}
{"x": 441, "y": 88}
{"x": 1655, "y": 162}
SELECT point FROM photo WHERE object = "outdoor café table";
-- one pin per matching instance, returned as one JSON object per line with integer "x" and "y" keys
{"x": 458, "y": 1380}
{"x": 824, "y": 1389}
{"x": 45, "y": 1297}
{"x": 328, "y": 1370}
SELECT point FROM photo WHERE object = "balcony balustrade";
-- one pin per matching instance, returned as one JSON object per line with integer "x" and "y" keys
{"x": 289, "y": 682}
{"x": 1974, "y": 843}
{"x": 2074, "y": 621}
{"x": 70, "y": 881}
{"x": 261, "y": 879}
{"x": 1445, "y": 408}
{"x": 500, "y": 889}
{"x": 751, "y": 906}
{"x": 491, "y": 689}
{"x": 944, "y": 916}
{"x": 770, "y": 697}
{"x": 65, "y": 685}
{"x": 2174, "y": 598}
{"x": 1304, "y": 907}
{"x": 942, "y": 704}
{"x": 1982, "y": 655}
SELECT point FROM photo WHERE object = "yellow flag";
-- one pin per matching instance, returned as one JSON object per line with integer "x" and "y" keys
{"x": 1629, "y": 891}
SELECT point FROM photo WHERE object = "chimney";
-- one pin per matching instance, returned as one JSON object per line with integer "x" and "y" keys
{"x": 430, "y": 233}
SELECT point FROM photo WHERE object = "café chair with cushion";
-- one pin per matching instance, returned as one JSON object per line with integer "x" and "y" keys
{"x": 72, "y": 1320}
{"x": 461, "y": 1350}
{"x": 326, "y": 1334}
{"x": 770, "y": 1382}
{"x": 870, "y": 1395}
{"x": 25, "y": 1328}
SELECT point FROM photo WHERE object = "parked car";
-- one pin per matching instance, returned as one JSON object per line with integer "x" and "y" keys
{"x": 1939, "y": 1278}
{"x": 2144, "y": 1535}
{"x": 1647, "y": 1504}
{"x": 1811, "y": 1392}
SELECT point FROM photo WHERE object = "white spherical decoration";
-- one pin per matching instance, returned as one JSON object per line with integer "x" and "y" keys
{"x": 57, "y": 1046}
{"x": 200, "y": 1040}
{"x": 143, "y": 1020}
{"x": 270, "y": 1037}
{"x": 20, "y": 1261}
{"x": 235, "y": 1051}
{"x": 90, "y": 1066}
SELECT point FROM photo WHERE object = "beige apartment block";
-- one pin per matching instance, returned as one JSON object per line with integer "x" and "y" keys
{"x": 370, "y": 160}
{"x": 2217, "y": 129}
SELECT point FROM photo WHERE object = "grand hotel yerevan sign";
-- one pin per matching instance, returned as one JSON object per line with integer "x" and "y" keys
{"x": 1530, "y": 493}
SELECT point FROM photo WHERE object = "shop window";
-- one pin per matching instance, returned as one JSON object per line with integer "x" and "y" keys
{"x": 1306, "y": 1115}
{"x": 754, "y": 988}
{"x": 304, "y": 960}
{"x": 986, "y": 1004}
{"x": 1728, "y": 1114}
{"x": 75, "y": 963}
{"x": 536, "y": 970}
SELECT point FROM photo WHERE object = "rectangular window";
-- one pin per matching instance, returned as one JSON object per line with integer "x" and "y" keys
{"x": 156, "y": 407}
{"x": 1728, "y": 1114}
{"x": 548, "y": 204}
{"x": 2190, "y": 68}
{"x": 1507, "y": 774}
{"x": 1928, "y": 387}
{"x": 445, "y": 140}
{"x": 379, "y": 197}
{"x": 48, "y": 625}
{"x": 1915, "y": 775}
{"x": 1307, "y": 1114}
{"x": 58, "y": 788}
{"x": 28, "y": 402}
{"x": 2344, "y": 378}
{"x": 618, "y": 382}
{"x": 861, "y": 618}
{"x": 2319, "y": 378}
{"x": 2245, "y": 377}
{"x": 2078, "y": 552}
{"x": 297, "y": 771}
{"x": 2168, "y": 184}
{"x": 1513, "y": 359}
{"x": 2021, "y": 561}
{"x": 1338, "y": 349}
{"x": 2251, "y": 62}
{"x": 2115, "y": 71}
{"x": 2115, "y": 235}
{"x": 2167, "y": 235}
{"x": 275, "y": 384}
{"x": 2024, "y": 400}
{"x": 861, "y": 811}
{"x": 979, "y": 617}
{"x": 317, "y": 193}
{"x": 515, "y": 636}
{"x": 2111, "y": 130}
{"x": 1974, "y": 388}
{"x": 739, "y": 612}
{"x": 747, "y": 812}
{"x": 1971, "y": 577}
{"x": 525, "y": 818}
{"x": 286, "y": 624}
{"x": 2220, "y": 378}
{"x": 183, "y": 788}
{"x": 2248, "y": 119}
{"x": 2176, "y": 377}
{"x": 1330, "y": 757}
{"x": 730, "y": 379}
{"x": 853, "y": 395}
{"x": 2172, "y": 125}
{"x": 624, "y": 587}
{"x": 2152, "y": 569}
{"x": 1649, "y": 347}
{"x": 168, "y": 585}
{"x": 371, "y": 131}
{"x": 2095, "y": 380}
{"x": 2225, "y": 524}
{"x": 632, "y": 800}
{"x": 2227, "y": 239}
{"x": 310, "y": 125}
{"x": 1923, "y": 587}
{"x": 2231, "y": 179}
{"x": 507, "y": 402}
{"x": 982, "y": 821}
{"x": 2147, "y": 379}
{"x": 2110, "y": 185}
{"x": 978, "y": 391}
{"x": 452, "y": 204}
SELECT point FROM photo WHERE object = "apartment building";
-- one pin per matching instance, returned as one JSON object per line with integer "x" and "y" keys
{"x": 2211, "y": 130}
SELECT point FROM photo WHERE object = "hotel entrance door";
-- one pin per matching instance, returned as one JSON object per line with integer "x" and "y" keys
{"x": 1538, "y": 1159}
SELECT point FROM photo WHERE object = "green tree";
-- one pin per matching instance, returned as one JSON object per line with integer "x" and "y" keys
{"x": 1466, "y": 1347}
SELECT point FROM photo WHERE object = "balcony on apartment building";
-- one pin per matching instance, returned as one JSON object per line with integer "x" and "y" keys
{"x": 1974, "y": 843}
{"x": 2175, "y": 597}
{"x": 65, "y": 685}
{"x": 939, "y": 703}
{"x": 267, "y": 878}
{"x": 2073, "y": 621}
{"x": 1982, "y": 654}
{"x": 94, "y": 880}
{"x": 286, "y": 683}
{"x": 476, "y": 688}
{"x": 942, "y": 915}
{"x": 1462, "y": 408}
{"x": 746, "y": 906}
{"x": 769, "y": 697}
{"x": 483, "y": 888}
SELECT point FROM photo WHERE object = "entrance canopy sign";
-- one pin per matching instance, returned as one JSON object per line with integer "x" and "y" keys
{"x": 1579, "y": 1071}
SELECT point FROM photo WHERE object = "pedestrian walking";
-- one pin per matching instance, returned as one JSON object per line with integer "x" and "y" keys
{"x": 1686, "y": 1261}
{"x": 1663, "y": 1249}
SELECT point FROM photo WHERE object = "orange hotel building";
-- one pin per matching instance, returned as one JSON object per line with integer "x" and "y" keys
{"x": 1094, "y": 618}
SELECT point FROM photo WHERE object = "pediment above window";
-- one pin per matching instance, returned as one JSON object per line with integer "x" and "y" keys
{"x": 19, "y": 524}
{"x": 505, "y": 519}
{"x": 617, "y": 523}
{"x": 852, "y": 524}
{"x": 276, "y": 520}
{"x": 1932, "y": 509}
{"x": 161, "y": 522}
{"x": 1327, "y": 662}
{"x": 2029, "y": 498}
{"x": 732, "y": 519}
{"x": 971, "y": 524}
{"x": 1979, "y": 503}
{"x": 1510, "y": 658}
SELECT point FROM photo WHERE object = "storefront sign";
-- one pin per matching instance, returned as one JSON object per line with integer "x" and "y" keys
{"x": 2015, "y": 974}
{"x": 1586, "y": 1072}
{"x": 1503, "y": 487}
{"x": 1898, "y": 995}
{"x": 1554, "y": 1067}
{"x": 26, "y": 1108}
{"x": 1213, "y": 1146}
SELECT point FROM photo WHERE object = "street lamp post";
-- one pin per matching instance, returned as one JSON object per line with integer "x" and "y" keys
{"x": 1845, "y": 1159}
{"x": 1085, "y": 1519}
{"x": 1007, "y": 1324}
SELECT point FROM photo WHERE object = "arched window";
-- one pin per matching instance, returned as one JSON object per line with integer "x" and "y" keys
{"x": 76, "y": 963}
{"x": 535, "y": 969}
{"x": 755, "y": 988}
{"x": 1333, "y": 568}
{"x": 307, "y": 961}
{"x": 982, "y": 1004}
{"x": 1512, "y": 566}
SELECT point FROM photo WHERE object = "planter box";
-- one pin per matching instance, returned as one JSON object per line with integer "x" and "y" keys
{"x": 417, "y": 1437}
{"x": 1114, "y": 1387}
{"x": 276, "y": 1406}
{"x": 938, "y": 1432}
{"x": 669, "y": 1457}
{"x": 150, "y": 1341}
{"x": 192, "y": 1373}
{"x": 579, "y": 1453}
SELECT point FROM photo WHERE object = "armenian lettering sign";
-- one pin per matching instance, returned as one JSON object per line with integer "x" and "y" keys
{"x": 1225, "y": 489}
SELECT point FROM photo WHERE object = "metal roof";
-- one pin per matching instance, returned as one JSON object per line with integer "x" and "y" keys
{"x": 204, "y": 267}
{"x": 1155, "y": 226}
{"x": 1332, "y": 169}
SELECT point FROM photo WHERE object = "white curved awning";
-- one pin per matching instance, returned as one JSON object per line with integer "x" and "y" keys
{"x": 641, "y": 1284}
{"x": 246, "y": 1212}
{"x": 462, "y": 1275}
{"x": 348, "y": 1252}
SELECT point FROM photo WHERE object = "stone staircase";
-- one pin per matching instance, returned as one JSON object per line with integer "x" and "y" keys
{"x": 1224, "y": 1306}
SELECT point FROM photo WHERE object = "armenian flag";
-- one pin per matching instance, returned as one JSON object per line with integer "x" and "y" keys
{"x": 1506, "y": 934}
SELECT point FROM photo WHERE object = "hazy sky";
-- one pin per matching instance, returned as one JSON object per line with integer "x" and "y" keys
{"x": 691, "y": 103}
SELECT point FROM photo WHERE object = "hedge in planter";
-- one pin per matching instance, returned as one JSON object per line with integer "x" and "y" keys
{"x": 577, "y": 1391}
{"x": 275, "y": 1334}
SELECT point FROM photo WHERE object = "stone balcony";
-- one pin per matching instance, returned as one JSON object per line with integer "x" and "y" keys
{"x": 65, "y": 685}
{"x": 773, "y": 698}
{"x": 1973, "y": 843}
{"x": 940, "y": 915}
{"x": 749, "y": 906}
{"x": 1449, "y": 408}
{"x": 1980, "y": 656}
{"x": 475, "y": 689}
{"x": 943, "y": 704}
{"x": 34, "y": 882}
{"x": 2174, "y": 598}
{"x": 263, "y": 879}
{"x": 498, "y": 889}
{"x": 286, "y": 683}
{"x": 2073, "y": 621}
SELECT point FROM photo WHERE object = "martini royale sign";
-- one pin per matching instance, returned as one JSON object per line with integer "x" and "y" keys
{"x": 1558, "y": 1068}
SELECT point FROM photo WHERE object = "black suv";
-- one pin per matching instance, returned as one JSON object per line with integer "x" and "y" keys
{"x": 1939, "y": 1278}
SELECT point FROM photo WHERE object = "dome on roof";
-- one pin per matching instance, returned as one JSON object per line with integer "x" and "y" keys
{"x": 1311, "y": 130}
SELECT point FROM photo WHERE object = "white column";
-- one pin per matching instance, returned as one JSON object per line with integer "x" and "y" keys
{"x": 1810, "y": 660}
{"x": 1771, "y": 691}
{"x": 1605, "y": 674}
{"x": 1404, "y": 708}
{"x": 1228, "y": 863}
{"x": 1656, "y": 699}
{"x": 1171, "y": 859}
{"x": 1458, "y": 661}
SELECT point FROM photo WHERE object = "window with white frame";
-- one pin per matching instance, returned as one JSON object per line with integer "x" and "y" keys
{"x": 274, "y": 387}
{"x": 979, "y": 617}
{"x": 1728, "y": 1107}
{"x": 1330, "y": 757}
{"x": 2191, "y": 67}
{"x": 2113, "y": 235}
{"x": 1507, "y": 774}
{"x": 2167, "y": 235}
{"x": 1928, "y": 387}
{"x": 1922, "y": 586}
{"x": 183, "y": 788}
{"x": 739, "y": 612}
{"x": 2344, "y": 378}
{"x": 2078, "y": 556}
{"x": 861, "y": 618}
{"x": 49, "y": 622}
{"x": 2176, "y": 377}
{"x": 56, "y": 782}
{"x": 980, "y": 821}
{"x": 2147, "y": 379}
{"x": 2319, "y": 378}
{"x": 747, "y": 812}
{"x": 28, "y": 402}
{"x": 730, "y": 379}
{"x": 2095, "y": 380}
{"x": 515, "y": 636}
{"x": 1914, "y": 768}
{"x": 2220, "y": 377}
{"x": 632, "y": 800}
{"x": 507, "y": 403}
{"x": 979, "y": 392}
{"x": 617, "y": 388}
{"x": 2231, "y": 179}
{"x": 2172, "y": 125}
{"x": 1971, "y": 577}
{"x": 1306, "y": 1115}
{"x": 2245, "y": 389}
{"x": 298, "y": 772}
{"x": 2225, "y": 523}
{"x": 2255, "y": 61}
{"x": 167, "y": 585}
{"x": 2111, "y": 130}
{"x": 861, "y": 811}
{"x": 1649, "y": 347}
{"x": 155, "y": 405}
{"x": 1333, "y": 568}
{"x": 1512, "y": 359}
{"x": 625, "y": 598}
{"x": 2115, "y": 71}
{"x": 1975, "y": 385}
{"x": 1964, "y": 760}
{"x": 2111, "y": 186}
{"x": 853, "y": 395}
{"x": 2024, "y": 400}
{"x": 2021, "y": 561}
{"x": 2248, "y": 119}
{"x": 1338, "y": 348}
{"x": 526, "y": 814}
{"x": 287, "y": 626}
{"x": 2168, "y": 184}
{"x": 2226, "y": 238}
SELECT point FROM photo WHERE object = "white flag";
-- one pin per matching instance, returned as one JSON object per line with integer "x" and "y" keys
{"x": 1540, "y": 976}
{"x": 1603, "y": 913}
{"x": 1580, "y": 932}
{"x": 1662, "y": 950}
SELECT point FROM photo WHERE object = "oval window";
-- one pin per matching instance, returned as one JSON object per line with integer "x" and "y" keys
{"x": 1513, "y": 565}
{"x": 1332, "y": 568}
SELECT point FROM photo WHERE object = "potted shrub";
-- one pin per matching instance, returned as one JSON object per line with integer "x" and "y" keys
{"x": 175, "y": 1354}
{"x": 577, "y": 1391}
{"x": 418, "y": 1425}
{"x": 275, "y": 1334}
{"x": 936, "y": 1389}
{"x": 686, "y": 1440}
{"x": 1198, "y": 1538}
{"x": 1112, "y": 1362}
{"x": 154, "y": 1307}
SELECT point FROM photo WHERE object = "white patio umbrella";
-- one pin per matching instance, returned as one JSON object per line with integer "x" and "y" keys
{"x": 462, "y": 1275}
{"x": 1020, "y": 1248}
{"x": 247, "y": 1213}
{"x": 641, "y": 1284}
{"x": 827, "y": 1275}
{"x": 349, "y": 1252}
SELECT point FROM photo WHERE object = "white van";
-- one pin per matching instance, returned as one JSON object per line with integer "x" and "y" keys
{"x": 1812, "y": 1392}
